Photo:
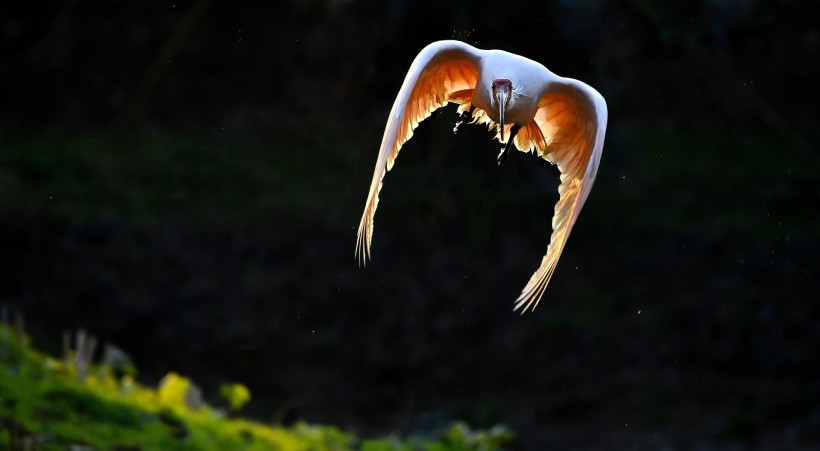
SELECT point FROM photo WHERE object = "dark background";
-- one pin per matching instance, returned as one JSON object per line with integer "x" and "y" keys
{"x": 185, "y": 179}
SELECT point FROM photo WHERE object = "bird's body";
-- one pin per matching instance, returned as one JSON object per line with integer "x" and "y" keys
{"x": 501, "y": 65}
{"x": 561, "y": 119}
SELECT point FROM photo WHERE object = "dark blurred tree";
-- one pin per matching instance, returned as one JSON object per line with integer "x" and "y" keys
{"x": 713, "y": 65}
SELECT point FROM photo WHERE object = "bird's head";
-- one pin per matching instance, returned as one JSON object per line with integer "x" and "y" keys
{"x": 502, "y": 92}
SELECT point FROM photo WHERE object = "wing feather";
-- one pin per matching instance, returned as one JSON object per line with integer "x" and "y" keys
{"x": 571, "y": 120}
{"x": 440, "y": 70}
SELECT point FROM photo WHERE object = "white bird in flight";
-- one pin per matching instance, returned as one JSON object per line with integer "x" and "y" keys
{"x": 562, "y": 119}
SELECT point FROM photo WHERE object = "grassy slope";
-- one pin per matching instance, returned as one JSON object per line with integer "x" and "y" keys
{"x": 740, "y": 199}
{"x": 41, "y": 401}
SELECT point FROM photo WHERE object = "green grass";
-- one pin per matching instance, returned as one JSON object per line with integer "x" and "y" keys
{"x": 42, "y": 402}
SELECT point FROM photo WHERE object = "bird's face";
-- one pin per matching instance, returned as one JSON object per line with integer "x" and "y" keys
{"x": 502, "y": 92}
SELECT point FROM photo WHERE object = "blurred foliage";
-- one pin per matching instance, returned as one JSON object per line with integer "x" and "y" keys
{"x": 459, "y": 436}
{"x": 159, "y": 176}
{"x": 148, "y": 176}
{"x": 172, "y": 389}
{"x": 236, "y": 395}
{"x": 721, "y": 185}
{"x": 701, "y": 232}
{"x": 199, "y": 173}
{"x": 43, "y": 406}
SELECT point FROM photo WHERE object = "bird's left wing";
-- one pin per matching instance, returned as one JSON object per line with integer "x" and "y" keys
{"x": 444, "y": 71}
{"x": 568, "y": 130}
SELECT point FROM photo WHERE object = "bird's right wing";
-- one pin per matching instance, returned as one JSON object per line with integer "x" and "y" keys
{"x": 568, "y": 130}
{"x": 444, "y": 71}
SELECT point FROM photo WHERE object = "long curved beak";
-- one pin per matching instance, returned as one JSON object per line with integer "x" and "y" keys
{"x": 501, "y": 97}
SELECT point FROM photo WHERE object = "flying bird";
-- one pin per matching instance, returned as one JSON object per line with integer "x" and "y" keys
{"x": 561, "y": 119}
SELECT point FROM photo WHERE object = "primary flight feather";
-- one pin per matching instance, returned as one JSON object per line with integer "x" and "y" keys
{"x": 563, "y": 120}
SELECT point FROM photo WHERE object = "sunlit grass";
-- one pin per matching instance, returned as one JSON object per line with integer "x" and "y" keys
{"x": 42, "y": 403}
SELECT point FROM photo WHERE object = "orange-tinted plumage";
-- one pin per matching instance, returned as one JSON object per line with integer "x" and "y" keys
{"x": 562, "y": 120}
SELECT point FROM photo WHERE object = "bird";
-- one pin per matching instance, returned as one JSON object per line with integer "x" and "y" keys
{"x": 561, "y": 120}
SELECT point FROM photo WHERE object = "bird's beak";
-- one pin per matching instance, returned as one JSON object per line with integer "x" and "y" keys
{"x": 502, "y": 96}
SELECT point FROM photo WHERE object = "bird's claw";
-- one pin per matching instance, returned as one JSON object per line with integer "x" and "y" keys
{"x": 462, "y": 122}
{"x": 502, "y": 156}
{"x": 505, "y": 149}
{"x": 459, "y": 127}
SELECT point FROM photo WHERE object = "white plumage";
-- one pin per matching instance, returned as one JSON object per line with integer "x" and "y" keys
{"x": 563, "y": 120}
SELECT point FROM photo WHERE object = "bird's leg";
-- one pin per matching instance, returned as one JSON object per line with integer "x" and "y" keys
{"x": 505, "y": 151}
{"x": 462, "y": 120}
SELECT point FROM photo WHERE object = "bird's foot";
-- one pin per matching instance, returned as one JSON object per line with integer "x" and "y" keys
{"x": 459, "y": 127}
{"x": 462, "y": 121}
{"x": 503, "y": 155}
{"x": 505, "y": 150}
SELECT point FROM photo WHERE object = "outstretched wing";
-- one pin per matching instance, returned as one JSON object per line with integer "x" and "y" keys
{"x": 441, "y": 73}
{"x": 571, "y": 119}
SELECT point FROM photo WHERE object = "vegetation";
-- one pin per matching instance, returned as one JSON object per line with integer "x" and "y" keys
{"x": 96, "y": 225}
{"x": 186, "y": 178}
{"x": 43, "y": 405}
